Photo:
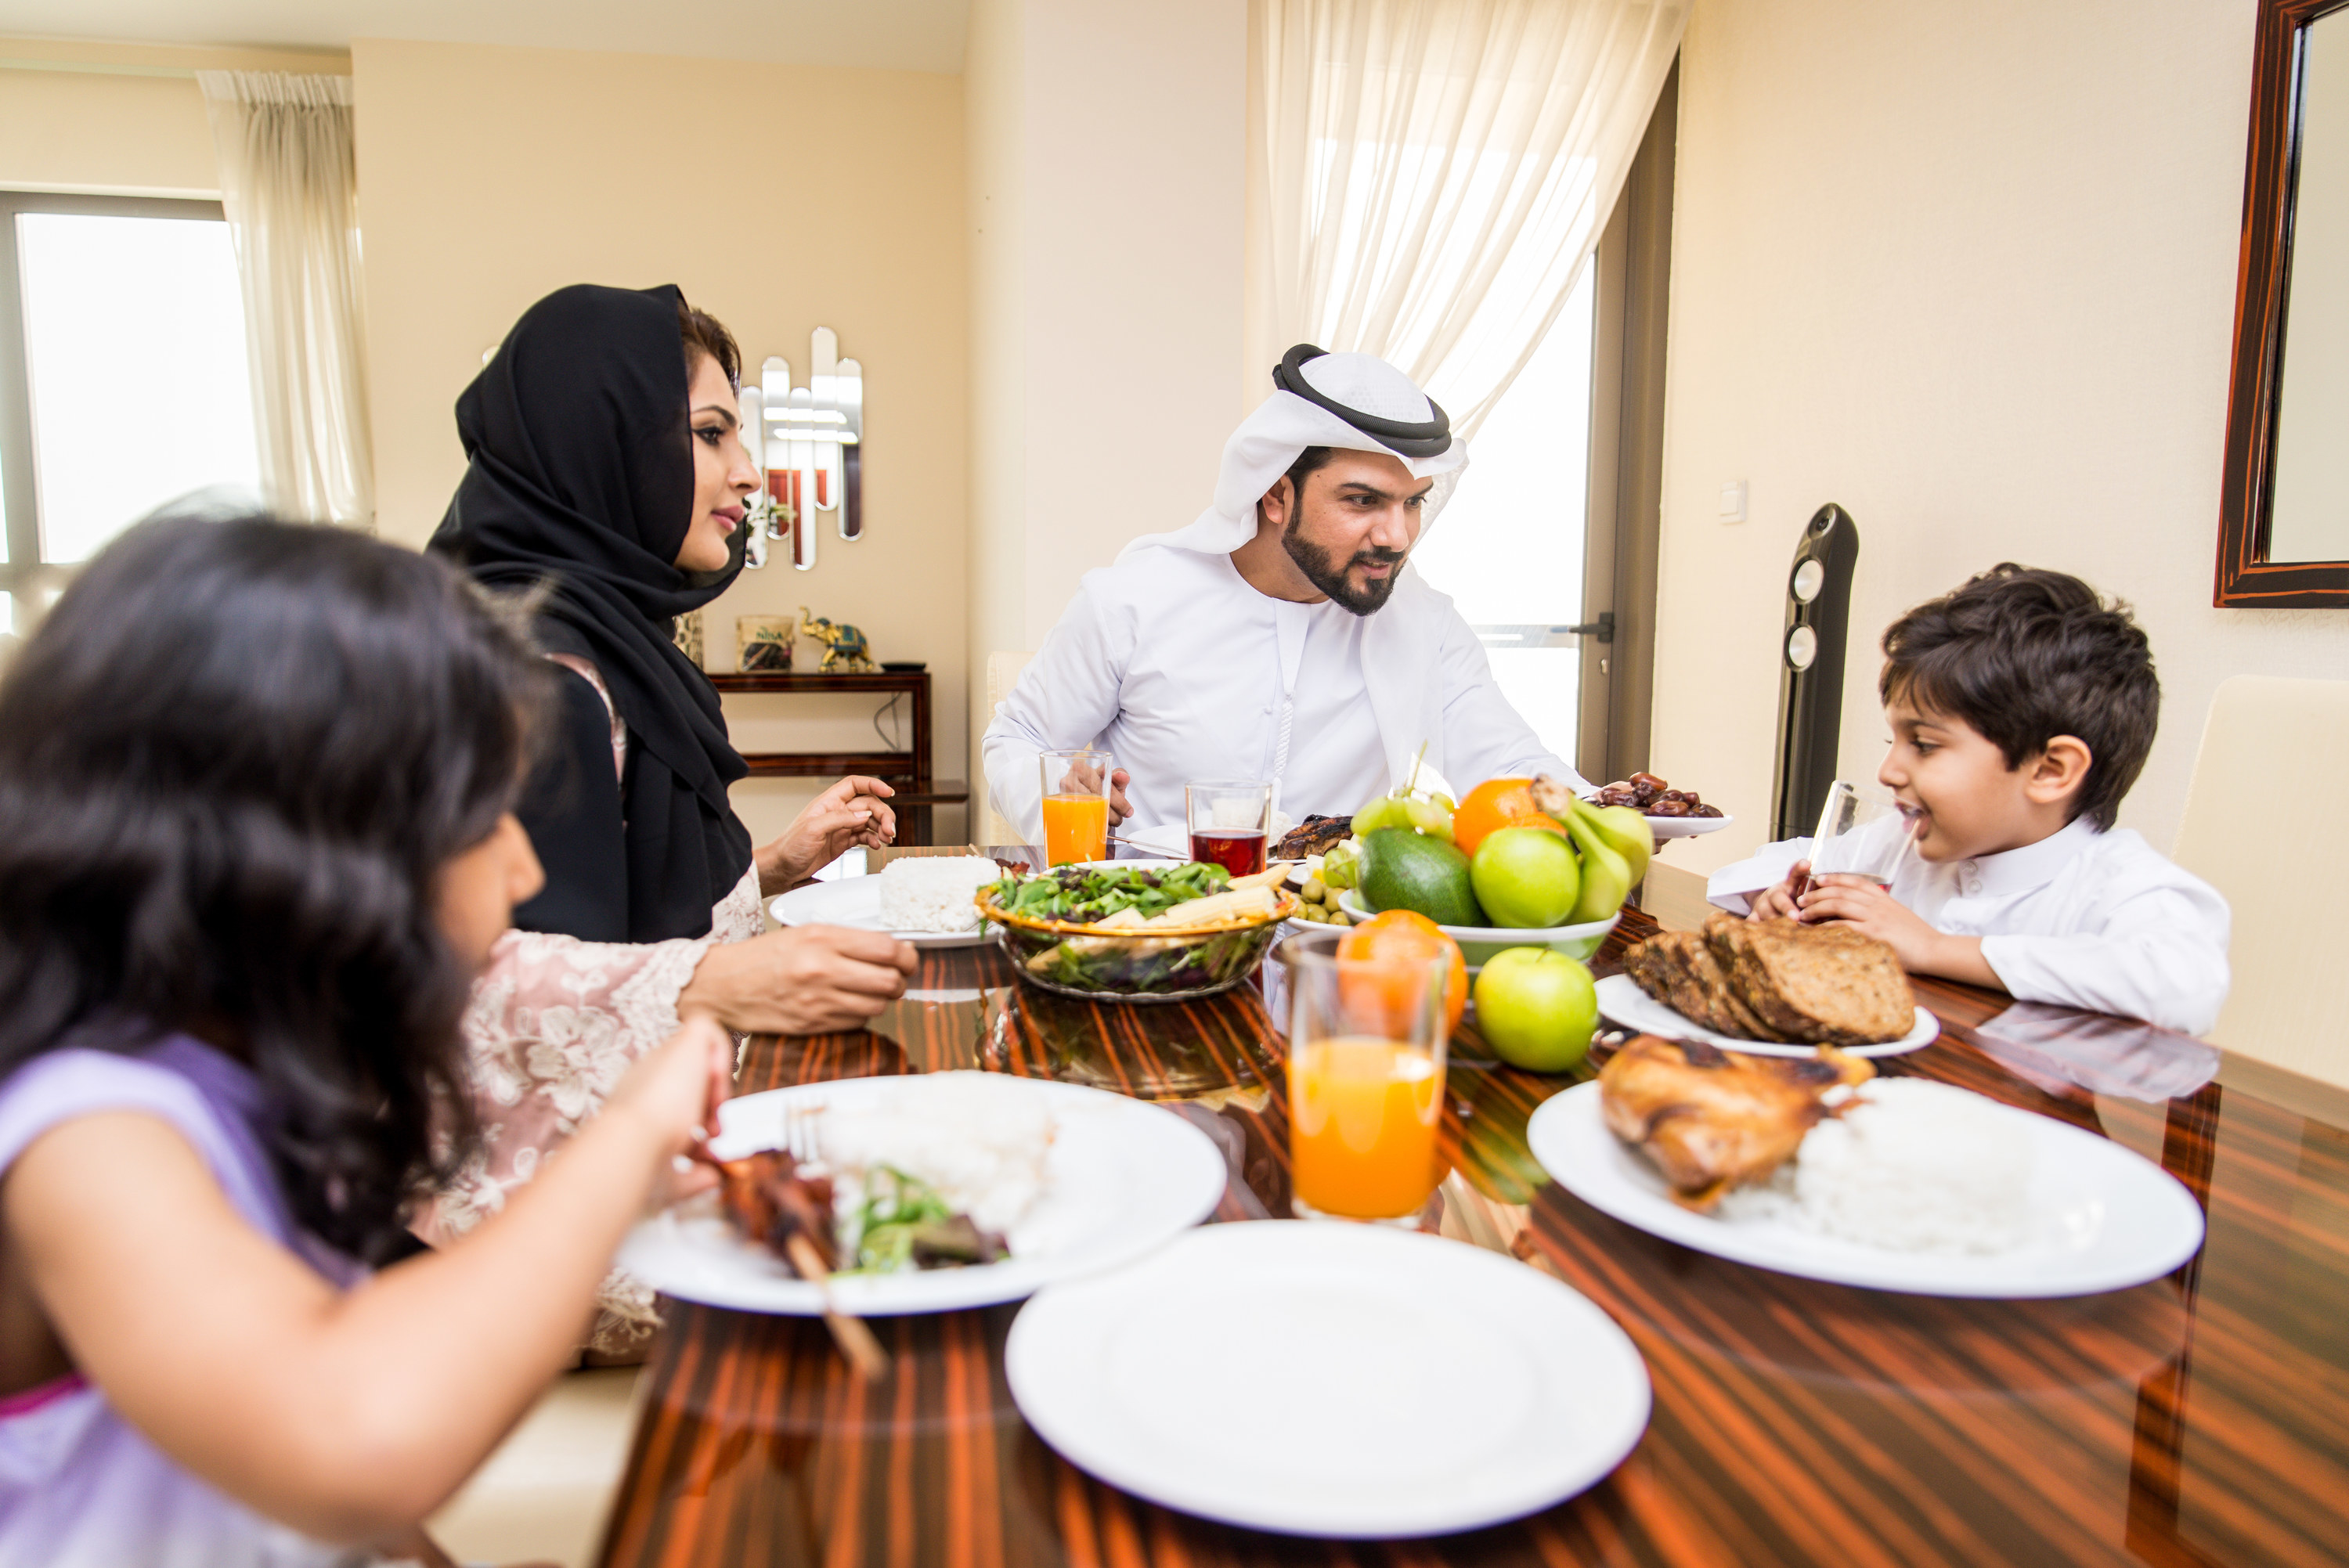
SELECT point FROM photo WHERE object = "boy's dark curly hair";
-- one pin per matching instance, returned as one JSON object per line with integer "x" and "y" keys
{"x": 233, "y": 760}
{"x": 2024, "y": 656}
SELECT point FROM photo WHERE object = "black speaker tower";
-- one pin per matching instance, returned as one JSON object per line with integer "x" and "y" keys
{"x": 1810, "y": 670}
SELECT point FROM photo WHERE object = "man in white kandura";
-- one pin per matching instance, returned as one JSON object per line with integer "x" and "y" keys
{"x": 1283, "y": 637}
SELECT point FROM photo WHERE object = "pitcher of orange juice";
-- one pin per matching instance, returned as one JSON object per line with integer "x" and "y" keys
{"x": 1366, "y": 1056}
{"x": 1076, "y": 806}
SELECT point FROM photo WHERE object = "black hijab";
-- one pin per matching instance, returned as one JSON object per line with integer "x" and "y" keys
{"x": 580, "y": 477}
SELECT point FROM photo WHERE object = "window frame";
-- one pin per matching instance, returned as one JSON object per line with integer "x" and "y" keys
{"x": 28, "y": 575}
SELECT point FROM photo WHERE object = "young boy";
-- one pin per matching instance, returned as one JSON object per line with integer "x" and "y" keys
{"x": 2022, "y": 708}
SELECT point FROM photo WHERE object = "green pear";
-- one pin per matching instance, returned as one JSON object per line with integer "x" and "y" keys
{"x": 1606, "y": 874}
{"x": 1625, "y": 832}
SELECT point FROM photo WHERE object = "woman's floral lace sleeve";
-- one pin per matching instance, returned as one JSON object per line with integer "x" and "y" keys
{"x": 554, "y": 1024}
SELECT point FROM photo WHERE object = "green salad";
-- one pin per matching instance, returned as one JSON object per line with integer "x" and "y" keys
{"x": 904, "y": 1223}
{"x": 1083, "y": 894}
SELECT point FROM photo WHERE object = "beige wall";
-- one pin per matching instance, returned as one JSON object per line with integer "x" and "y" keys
{"x": 1106, "y": 210}
{"x": 91, "y": 129}
{"x": 490, "y": 176}
{"x": 1967, "y": 267}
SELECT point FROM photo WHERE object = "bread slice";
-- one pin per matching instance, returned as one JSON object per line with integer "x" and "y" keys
{"x": 1679, "y": 969}
{"x": 1828, "y": 985}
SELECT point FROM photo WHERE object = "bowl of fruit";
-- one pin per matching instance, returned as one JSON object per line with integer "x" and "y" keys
{"x": 1518, "y": 862}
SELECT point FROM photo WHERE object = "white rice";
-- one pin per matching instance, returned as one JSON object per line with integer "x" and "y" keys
{"x": 1913, "y": 1166}
{"x": 976, "y": 1136}
{"x": 934, "y": 895}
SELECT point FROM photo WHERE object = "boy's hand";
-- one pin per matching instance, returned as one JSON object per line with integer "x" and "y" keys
{"x": 1771, "y": 903}
{"x": 1860, "y": 903}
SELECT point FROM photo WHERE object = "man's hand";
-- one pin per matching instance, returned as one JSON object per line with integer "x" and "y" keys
{"x": 1860, "y": 903}
{"x": 1083, "y": 779}
{"x": 848, "y": 814}
{"x": 802, "y": 981}
{"x": 1772, "y": 902}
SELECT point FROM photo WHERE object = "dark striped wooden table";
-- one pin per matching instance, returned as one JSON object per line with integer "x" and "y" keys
{"x": 2201, "y": 1418}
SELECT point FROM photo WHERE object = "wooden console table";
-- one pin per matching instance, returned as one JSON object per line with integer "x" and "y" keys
{"x": 908, "y": 772}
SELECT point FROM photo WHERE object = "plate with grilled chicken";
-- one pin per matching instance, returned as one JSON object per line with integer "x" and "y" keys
{"x": 1769, "y": 987}
{"x": 1819, "y": 1168}
{"x": 925, "y": 1193}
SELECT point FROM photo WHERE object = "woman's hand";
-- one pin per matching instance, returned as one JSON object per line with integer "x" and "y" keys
{"x": 806, "y": 980}
{"x": 1771, "y": 903}
{"x": 1862, "y": 904}
{"x": 848, "y": 814}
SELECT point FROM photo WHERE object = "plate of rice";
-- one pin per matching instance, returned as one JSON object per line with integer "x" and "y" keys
{"x": 1075, "y": 1180}
{"x": 924, "y": 900}
{"x": 1919, "y": 1187}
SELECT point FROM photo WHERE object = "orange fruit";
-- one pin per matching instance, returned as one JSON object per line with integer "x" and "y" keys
{"x": 1405, "y": 940}
{"x": 1495, "y": 804}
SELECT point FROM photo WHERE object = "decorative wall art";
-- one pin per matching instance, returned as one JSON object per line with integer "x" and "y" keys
{"x": 808, "y": 441}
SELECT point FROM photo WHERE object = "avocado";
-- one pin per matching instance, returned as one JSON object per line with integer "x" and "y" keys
{"x": 1402, "y": 868}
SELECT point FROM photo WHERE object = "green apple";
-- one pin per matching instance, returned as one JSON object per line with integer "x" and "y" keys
{"x": 1536, "y": 1009}
{"x": 1526, "y": 877}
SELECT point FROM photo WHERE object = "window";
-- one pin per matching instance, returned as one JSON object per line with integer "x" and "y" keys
{"x": 123, "y": 377}
{"x": 1550, "y": 550}
{"x": 1509, "y": 548}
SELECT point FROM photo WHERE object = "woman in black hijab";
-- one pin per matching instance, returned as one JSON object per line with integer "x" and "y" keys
{"x": 607, "y": 473}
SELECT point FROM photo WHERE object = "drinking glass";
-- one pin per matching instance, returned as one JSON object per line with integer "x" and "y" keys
{"x": 1366, "y": 1059}
{"x": 1227, "y": 821}
{"x": 1859, "y": 835}
{"x": 1076, "y": 806}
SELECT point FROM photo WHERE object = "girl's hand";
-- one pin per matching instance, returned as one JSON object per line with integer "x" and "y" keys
{"x": 675, "y": 1091}
{"x": 1771, "y": 903}
{"x": 848, "y": 814}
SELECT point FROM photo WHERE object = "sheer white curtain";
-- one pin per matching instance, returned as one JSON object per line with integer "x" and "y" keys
{"x": 1429, "y": 178}
{"x": 288, "y": 182}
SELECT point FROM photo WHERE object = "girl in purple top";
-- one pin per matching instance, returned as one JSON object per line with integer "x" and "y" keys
{"x": 254, "y": 842}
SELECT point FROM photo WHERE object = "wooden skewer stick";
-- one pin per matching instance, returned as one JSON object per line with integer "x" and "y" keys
{"x": 855, "y": 1340}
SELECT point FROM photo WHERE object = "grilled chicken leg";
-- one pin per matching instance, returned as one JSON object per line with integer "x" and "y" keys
{"x": 1712, "y": 1120}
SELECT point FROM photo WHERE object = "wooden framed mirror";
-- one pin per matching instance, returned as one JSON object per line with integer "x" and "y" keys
{"x": 2283, "y": 512}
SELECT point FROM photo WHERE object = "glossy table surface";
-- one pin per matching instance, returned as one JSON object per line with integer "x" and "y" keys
{"x": 2199, "y": 1419}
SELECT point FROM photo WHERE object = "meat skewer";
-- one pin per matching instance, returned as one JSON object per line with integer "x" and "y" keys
{"x": 765, "y": 1194}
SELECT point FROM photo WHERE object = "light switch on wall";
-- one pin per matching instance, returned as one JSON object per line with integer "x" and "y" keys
{"x": 1732, "y": 501}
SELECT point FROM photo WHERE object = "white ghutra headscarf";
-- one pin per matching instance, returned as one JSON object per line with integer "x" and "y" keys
{"x": 1357, "y": 401}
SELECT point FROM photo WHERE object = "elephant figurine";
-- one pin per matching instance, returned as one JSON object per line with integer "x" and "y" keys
{"x": 845, "y": 648}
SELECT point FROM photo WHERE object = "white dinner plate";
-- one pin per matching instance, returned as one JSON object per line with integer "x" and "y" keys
{"x": 1124, "y": 1177}
{"x": 2104, "y": 1217}
{"x": 857, "y": 901}
{"x": 1687, "y": 827}
{"x": 1621, "y": 1000}
{"x": 1397, "y": 1384}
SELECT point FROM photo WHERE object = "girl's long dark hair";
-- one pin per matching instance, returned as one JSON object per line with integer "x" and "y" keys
{"x": 233, "y": 760}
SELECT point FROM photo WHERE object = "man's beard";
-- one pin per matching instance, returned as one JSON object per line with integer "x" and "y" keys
{"x": 1329, "y": 576}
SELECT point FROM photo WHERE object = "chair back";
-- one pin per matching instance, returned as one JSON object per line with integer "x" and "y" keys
{"x": 2282, "y": 867}
{"x": 1003, "y": 668}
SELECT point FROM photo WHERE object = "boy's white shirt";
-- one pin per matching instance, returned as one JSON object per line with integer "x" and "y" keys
{"x": 2082, "y": 918}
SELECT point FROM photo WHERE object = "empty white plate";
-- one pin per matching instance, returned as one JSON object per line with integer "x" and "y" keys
{"x": 1397, "y": 1384}
{"x": 1124, "y": 1176}
{"x": 2103, "y": 1216}
{"x": 1621, "y": 1000}
{"x": 857, "y": 901}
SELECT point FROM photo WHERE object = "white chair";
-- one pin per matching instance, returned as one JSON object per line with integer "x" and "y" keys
{"x": 544, "y": 1495}
{"x": 1002, "y": 674}
{"x": 2264, "y": 826}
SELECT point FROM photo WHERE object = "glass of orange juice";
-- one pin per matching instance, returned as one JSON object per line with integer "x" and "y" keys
{"x": 1366, "y": 1057}
{"x": 1076, "y": 806}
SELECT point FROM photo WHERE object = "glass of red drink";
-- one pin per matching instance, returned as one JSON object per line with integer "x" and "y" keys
{"x": 1227, "y": 820}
